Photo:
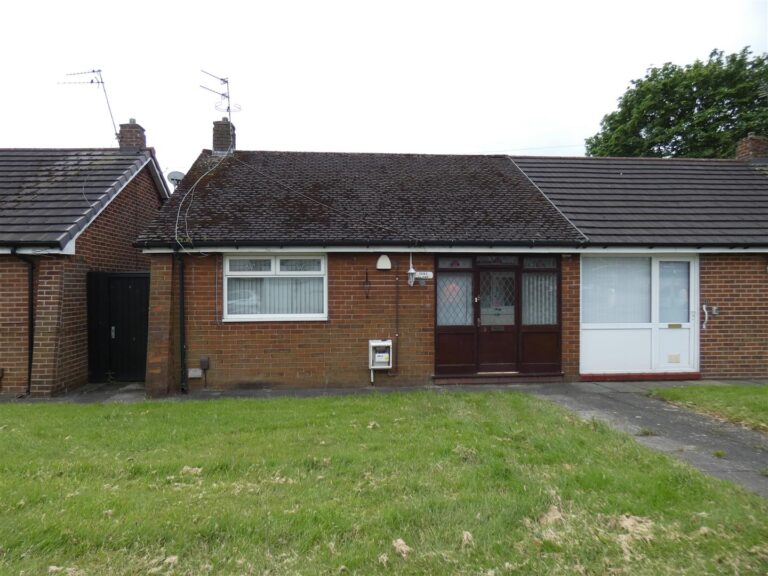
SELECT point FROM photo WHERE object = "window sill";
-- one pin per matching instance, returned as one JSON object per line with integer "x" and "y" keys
{"x": 278, "y": 318}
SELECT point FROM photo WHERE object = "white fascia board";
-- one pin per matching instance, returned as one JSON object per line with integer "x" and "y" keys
{"x": 459, "y": 249}
{"x": 68, "y": 250}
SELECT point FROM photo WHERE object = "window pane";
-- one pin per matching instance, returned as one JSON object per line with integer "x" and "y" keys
{"x": 497, "y": 298}
{"x": 250, "y": 265}
{"x": 244, "y": 295}
{"x": 454, "y": 299}
{"x": 540, "y": 262}
{"x": 293, "y": 296}
{"x": 300, "y": 265}
{"x": 616, "y": 290}
{"x": 673, "y": 292}
{"x": 451, "y": 262}
{"x": 539, "y": 298}
{"x": 275, "y": 296}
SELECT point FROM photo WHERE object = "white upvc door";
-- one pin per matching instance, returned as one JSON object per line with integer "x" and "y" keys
{"x": 639, "y": 314}
{"x": 675, "y": 306}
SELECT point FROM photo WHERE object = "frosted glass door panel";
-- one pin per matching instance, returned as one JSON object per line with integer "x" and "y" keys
{"x": 454, "y": 299}
{"x": 497, "y": 298}
{"x": 674, "y": 292}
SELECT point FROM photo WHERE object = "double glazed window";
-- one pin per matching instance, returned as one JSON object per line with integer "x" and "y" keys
{"x": 620, "y": 290}
{"x": 275, "y": 288}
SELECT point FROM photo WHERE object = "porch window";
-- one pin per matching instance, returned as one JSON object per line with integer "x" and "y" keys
{"x": 275, "y": 288}
{"x": 616, "y": 290}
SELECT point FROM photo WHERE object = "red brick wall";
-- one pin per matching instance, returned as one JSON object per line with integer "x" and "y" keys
{"x": 735, "y": 343}
{"x": 106, "y": 245}
{"x": 48, "y": 300}
{"x": 316, "y": 354}
{"x": 13, "y": 325}
{"x": 61, "y": 332}
{"x": 571, "y": 314}
{"x": 162, "y": 348}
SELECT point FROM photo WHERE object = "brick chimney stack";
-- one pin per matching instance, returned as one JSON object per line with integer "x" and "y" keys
{"x": 132, "y": 137}
{"x": 223, "y": 137}
{"x": 752, "y": 147}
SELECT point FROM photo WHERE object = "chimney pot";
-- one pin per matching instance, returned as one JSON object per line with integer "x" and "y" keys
{"x": 223, "y": 137}
{"x": 752, "y": 147}
{"x": 131, "y": 136}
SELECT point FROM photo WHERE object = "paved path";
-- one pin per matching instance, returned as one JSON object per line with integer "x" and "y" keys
{"x": 676, "y": 431}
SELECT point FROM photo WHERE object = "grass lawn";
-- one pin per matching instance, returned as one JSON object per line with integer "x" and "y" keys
{"x": 478, "y": 483}
{"x": 746, "y": 405}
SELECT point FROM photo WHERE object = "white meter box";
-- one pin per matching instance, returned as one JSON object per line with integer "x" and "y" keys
{"x": 380, "y": 354}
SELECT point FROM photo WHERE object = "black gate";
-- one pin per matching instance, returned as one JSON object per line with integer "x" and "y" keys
{"x": 118, "y": 308}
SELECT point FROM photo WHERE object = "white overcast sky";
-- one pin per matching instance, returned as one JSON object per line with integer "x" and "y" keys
{"x": 438, "y": 77}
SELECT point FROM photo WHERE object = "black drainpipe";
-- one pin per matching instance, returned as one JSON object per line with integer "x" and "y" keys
{"x": 182, "y": 328}
{"x": 30, "y": 314}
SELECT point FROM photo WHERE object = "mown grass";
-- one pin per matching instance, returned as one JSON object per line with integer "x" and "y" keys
{"x": 741, "y": 404}
{"x": 482, "y": 483}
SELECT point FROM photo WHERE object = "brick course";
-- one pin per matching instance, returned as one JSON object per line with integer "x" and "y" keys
{"x": 13, "y": 324}
{"x": 570, "y": 304}
{"x": 735, "y": 343}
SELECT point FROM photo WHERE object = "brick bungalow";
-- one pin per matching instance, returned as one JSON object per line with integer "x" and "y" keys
{"x": 68, "y": 220}
{"x": 278, "y": 268}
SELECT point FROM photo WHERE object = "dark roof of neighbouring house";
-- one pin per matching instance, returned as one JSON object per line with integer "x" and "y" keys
{"x": 657, "y": 202}
{"x": 47, "y": 196}
{"x": 327, "y": 199}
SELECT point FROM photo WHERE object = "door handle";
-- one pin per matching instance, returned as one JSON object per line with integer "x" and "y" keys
{"x": 112, "y": 332}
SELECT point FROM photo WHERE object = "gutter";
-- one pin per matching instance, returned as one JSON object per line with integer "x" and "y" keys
{"x": 30, "y": 314}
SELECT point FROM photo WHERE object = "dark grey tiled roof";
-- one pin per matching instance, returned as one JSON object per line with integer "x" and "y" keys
{"x": 326, "y": 199}
{"x": 48, "y": 196}
{"x": 657, "y": 202}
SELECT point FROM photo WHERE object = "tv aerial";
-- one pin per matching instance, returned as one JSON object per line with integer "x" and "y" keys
{"x": 224, "y": 104}
{"x": 96, "y": 80}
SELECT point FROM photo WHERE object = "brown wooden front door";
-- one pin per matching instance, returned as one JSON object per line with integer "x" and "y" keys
{"x": 497, "y": 322}
{"x": 497, "y": 313}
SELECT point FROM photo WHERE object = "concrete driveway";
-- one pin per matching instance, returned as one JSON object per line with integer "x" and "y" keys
{"x": 721, "y": 449}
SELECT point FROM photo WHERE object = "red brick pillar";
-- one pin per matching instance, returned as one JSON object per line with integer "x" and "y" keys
{"x": 162, "y": 361}
{"x": 571, "y": 304}
{"x": 48, "y": 302}
{"x": 13, "y": 325}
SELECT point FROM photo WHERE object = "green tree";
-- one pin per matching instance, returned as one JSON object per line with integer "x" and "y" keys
{"x": 697, "y": 111}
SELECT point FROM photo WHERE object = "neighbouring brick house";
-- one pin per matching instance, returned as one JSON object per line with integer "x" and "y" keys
{"x": 68, "y": 219}
{"x": 278, "y": 268}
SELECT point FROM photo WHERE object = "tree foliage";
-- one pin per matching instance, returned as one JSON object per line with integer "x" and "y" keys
{"x": 700, "y": 110}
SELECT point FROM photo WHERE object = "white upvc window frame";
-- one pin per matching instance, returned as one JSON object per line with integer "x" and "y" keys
{"x": 275, "y": 272}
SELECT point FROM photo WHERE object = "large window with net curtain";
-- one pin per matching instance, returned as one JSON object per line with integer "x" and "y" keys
{"x": 269, "y": 287}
